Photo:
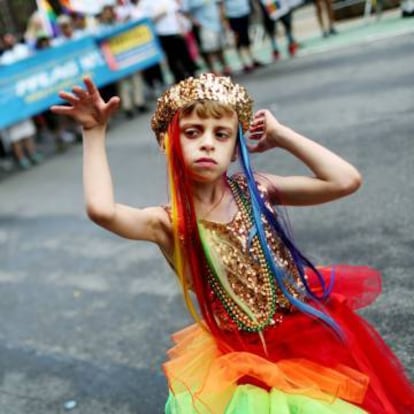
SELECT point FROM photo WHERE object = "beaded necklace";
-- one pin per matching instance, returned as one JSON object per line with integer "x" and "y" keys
{"x": 267, "y": 289}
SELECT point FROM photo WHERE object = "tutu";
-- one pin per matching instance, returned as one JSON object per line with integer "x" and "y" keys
{"x": 307, "y": 369}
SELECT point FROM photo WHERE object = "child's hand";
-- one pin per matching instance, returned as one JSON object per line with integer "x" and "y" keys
{"x": 87, "y": 106}
{"x": 265, "y": 130}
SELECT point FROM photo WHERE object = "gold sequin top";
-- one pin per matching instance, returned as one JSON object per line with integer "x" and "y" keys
{"x": 247, "y": 272}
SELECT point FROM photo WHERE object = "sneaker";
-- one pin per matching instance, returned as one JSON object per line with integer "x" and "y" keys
{"x": 227, "y": 71}
{"x": 248, "y": 68}
{"x": 128, "y": 114}
{"x": 142, "y": 109}
{"x": 36, "y": 158}
{"x": 332, "y": 31}
{"x": 293, "y": 48}
{"x": 257, "y": 64}
{"x": 24, "y": 163}
{"x": 276, "y": 55}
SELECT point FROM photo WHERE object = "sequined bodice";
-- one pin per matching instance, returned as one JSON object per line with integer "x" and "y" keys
{"x": 247, "y": 274}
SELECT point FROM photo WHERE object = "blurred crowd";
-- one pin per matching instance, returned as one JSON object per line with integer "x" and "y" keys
{"x": 193, "y": 35}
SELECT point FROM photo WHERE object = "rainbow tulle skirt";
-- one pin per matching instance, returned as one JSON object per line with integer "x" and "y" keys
{"x": 307, "y": 369}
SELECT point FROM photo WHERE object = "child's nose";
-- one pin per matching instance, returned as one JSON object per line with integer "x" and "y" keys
{"x": 207, "y": 141}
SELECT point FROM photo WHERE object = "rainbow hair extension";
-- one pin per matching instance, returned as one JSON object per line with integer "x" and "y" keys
{"x": 190, "y": 261}
{"x": 259, "y": 210}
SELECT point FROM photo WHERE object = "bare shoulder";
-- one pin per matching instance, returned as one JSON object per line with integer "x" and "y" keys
{"x": 151, "y": 224}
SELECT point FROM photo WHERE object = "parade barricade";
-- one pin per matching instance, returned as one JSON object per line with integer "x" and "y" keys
{"x": 30, "y": 86}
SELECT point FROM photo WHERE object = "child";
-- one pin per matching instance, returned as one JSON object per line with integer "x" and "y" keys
{"x": 274, "y": 334}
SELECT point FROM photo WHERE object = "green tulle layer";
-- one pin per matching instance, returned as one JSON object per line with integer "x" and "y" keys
{"x": 249, "y": 399}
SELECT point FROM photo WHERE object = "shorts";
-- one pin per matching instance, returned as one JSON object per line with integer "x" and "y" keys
{"x": 210, "y": 41}
{"x": 21, "y": 130}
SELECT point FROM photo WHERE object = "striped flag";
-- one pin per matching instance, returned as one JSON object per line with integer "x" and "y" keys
{"x": 48, "y": 17}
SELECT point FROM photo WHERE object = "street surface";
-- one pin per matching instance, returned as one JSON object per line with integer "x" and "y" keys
{"x": 86, "y": 316}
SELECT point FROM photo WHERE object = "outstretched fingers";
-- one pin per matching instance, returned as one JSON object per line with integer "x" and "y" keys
{"x": 80, "y": 92}
{"x": 61, "y": 109}
{"x": 69, "y": 97}
{"x": 90, "y": 86}
{"x": 112, "y": 105}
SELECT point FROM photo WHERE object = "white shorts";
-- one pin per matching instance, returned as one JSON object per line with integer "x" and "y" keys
{"x": 16, "y": 132}
{"x": 210, "y": 41}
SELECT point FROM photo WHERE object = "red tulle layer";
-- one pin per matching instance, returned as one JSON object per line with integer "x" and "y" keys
{"x": 299, "y": 336}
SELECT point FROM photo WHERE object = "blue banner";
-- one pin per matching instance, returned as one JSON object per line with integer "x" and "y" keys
{"x": 30, "y": 86}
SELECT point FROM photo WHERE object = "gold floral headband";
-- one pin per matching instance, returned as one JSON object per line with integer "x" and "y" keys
{"x": 207, "y": 86}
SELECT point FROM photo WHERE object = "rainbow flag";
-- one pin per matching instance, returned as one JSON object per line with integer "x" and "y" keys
{"x": 48, "y": 16}
{"x": 66, "y": 5}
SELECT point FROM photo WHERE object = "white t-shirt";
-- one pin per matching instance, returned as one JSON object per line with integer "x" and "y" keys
{"x": 169, "y": 23}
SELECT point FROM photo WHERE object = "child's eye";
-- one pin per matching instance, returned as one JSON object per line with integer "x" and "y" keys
{"x": 222, "y": 135}
{"x": 191, "y": 133}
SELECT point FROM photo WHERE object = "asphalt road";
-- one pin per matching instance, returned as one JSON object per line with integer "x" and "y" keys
{"x": 86, "y": 316}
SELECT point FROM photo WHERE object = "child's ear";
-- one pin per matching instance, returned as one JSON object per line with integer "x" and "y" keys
{"x": 162, "y": 142}
{"x": 234, "y": 156}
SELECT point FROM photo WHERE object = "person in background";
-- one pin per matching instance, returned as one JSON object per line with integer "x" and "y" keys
{"x": 131, "y": 88}
{"x": 237, "y": 14}
{"x": 166, "y": 19}
{"x": 62, "y": 130}
{"x": 80, "y": 23}
{"x": 270, "y": 27}
{"x": 67, "y": 30}
{"x": 19, "y": 137}
{"x": 34, "y": 26}
{"x": 206, "y": 19}
{"x": 153, "y": 76}
{"x": 325, "y": 16}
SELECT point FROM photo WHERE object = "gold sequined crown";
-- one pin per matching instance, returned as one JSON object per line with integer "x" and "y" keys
{"x": 207, "y": 86}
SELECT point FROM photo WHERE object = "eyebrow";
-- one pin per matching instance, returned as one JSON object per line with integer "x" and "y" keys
{"x": 188, "y": 124}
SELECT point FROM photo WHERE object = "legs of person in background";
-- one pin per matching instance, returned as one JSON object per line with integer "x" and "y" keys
{"x": 178, "y": 57}
{"x": 154, "y": 79}
{"x": 25, "y": 154}
{"x": 269, "y": 26}
{"x": 325, "y": 7}
{"x": 226, "y": 69}
{"x": 211, "y": 45}
{"x": 61, "y": 129}
{"x": 204, "y": 56}
{"x": 131, "y": 92}
{"x": 23, "y": 148}
{"x": 138, "y": 92}
{"x": 287, "y": 23}
{"x": 240, "y": 28}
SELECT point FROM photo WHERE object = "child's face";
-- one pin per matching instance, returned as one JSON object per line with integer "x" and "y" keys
{"x": 208, "y": 145}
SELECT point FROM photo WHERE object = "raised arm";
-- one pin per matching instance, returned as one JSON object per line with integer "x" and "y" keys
{"x": 333, "y": 177}
{"x": 88, "y": 108}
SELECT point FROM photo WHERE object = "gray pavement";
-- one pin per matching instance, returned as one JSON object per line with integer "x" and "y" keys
{"x": 86, "y": 315}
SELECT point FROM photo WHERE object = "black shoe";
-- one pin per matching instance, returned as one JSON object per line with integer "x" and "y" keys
{"x": 142, "y": 109}
{"x": 128, "y": 114}
{"x": 332, "y": 31}
{"x": 257, "y": 64}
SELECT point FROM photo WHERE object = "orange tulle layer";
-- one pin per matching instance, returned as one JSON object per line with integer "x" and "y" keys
{"x": 196, "y": 365}
{"x": 303, "y": 357}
